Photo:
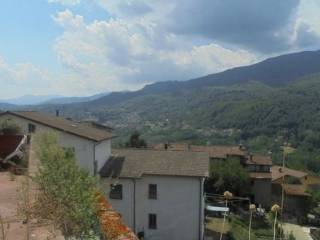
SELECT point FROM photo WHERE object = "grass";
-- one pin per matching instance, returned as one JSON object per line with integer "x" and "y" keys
{"x": 261, "y": 229}
{"x": 237, "y": 227}
{"x": 215, "y": 224}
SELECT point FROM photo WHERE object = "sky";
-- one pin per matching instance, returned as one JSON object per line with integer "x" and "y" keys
{"x": 84, "y": 47}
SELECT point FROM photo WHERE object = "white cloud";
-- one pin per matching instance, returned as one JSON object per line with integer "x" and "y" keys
{"x": 122, "y": 54}
{"x": 147, "y": 41}
{"x": 23, "y": 77}
{"x": 65, "y": 2}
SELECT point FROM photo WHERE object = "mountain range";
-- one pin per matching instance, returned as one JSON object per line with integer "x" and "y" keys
{"x": 47, "y": 99}
{"x": 262, "y": 106}
{"x": 277, "y": 71}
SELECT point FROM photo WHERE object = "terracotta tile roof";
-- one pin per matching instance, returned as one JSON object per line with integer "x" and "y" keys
{"x": 296, "y": 190}
{"x": 259, "y": 160}
{"x": 112, "y": 225}
{"x": 279, "y": 172}
{"x": 64, "y": 125}
{"x": 8, "y": 144}
{"x": 262, "y": 175}
{"x": 134, "y": 163}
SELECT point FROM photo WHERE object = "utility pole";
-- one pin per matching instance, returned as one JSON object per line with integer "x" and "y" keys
{"x": 284, "y": 158}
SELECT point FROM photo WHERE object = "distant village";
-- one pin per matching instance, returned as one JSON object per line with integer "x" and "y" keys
{"x": 168, "y": 191}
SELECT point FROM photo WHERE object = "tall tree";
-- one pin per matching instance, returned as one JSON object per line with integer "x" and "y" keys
{"x": 66, "y": 194}
{"x": 228, "y": 175}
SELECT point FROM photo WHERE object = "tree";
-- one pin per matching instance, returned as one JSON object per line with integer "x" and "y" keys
{"x": 228, "y": 175}
{"x": 135, "y": 141}
{"x": 66, "y": 193}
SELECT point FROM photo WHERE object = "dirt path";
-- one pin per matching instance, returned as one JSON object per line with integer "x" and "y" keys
{"x": 14, "y": 228}
{"x": 300, "y": 232}
{"x": 10, "y": 197}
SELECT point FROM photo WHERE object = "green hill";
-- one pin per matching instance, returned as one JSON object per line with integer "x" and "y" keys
{"x": 262, "y": 106}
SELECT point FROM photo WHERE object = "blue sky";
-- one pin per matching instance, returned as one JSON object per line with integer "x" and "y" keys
{"x": 83, "y": 47}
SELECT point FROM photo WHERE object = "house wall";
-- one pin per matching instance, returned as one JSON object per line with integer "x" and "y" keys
{"x": 84, "y": 148}
{"x": 102, "y": 153}
{"x": 293, "y": 204}
{"x": 262, "y": 191}
{"x": 179, "y": 206}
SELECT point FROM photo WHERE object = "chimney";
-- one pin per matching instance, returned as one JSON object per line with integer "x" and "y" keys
{"x": 57, "y": 113}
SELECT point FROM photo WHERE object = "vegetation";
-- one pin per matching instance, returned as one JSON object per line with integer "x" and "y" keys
{"x": 259, "y": 116}
{"x": 66, "y": 194}
{"x": 261, "y": 106}
{"x": 261, "y": 229}
{"x": 135, "y": 141}
{"x": 9, "y": 127}
{"x": 228, "y": 175}
{"x": 291, "y": 236}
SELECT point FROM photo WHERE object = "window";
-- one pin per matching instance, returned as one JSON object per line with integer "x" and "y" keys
{"x": 32, "y": 128}
{"x": 251, "y": 168}
{"x": 116, "y": 191}
{"x": 266, "y": 168}
{"x": 153, "y": 221}
{"x": 152, "y": 191}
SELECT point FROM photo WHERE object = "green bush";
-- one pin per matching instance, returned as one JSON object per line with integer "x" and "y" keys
{"x": 9, "y": 127}
{"x": 66, "y": 192}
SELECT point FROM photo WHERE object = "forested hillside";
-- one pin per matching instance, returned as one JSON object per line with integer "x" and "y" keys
{"x": 255, "y": 114}
{"x": 261, "y": 106}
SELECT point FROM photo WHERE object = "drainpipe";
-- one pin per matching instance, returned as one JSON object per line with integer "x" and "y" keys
{"x": 201, "y": 235}
{"x": 134, "y": 205}
{"x": 95, "y": 166}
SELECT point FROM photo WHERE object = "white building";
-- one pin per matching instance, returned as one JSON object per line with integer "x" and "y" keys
{"x": 91, "y": 145}
{"x": 158, "y": 193}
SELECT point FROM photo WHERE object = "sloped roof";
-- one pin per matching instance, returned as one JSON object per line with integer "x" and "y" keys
{"x": 64, "y": 125}
{"x": 312, "y": 180}
{"x": 112, "y": 225}
{"x": 8, "y": 144}
{"x": 259, "y": 160}
{"x": 216, "y": 151}
{"x": 279, "y": 172}
{"x": 219, "y": 151}
{"x": 172, "y": 146}
{"x": 133, "y": 163}
{"x": 296, "y": 190}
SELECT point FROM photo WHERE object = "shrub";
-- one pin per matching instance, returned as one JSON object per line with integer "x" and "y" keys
{"x": 66, "y": 195}
{"x": 9, "y": 127}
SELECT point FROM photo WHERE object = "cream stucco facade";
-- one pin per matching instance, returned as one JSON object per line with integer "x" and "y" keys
{"x": 88, "y": 153}
{"x": 179, "y": 206}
